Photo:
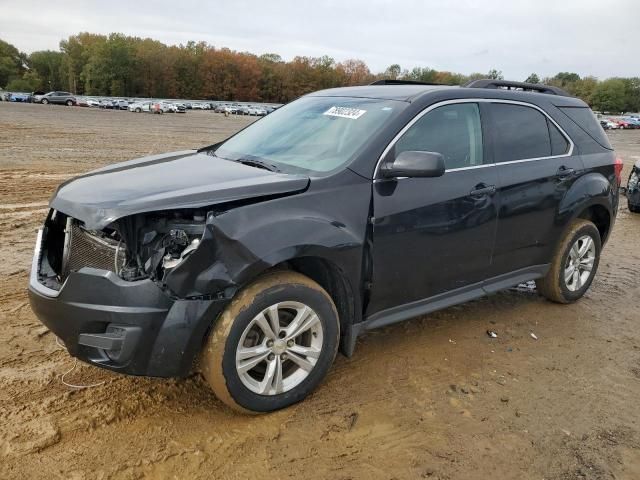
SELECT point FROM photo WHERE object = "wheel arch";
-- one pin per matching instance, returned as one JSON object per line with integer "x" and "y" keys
{"x": 601, "y": 218}
{"x": 592, "y": 198}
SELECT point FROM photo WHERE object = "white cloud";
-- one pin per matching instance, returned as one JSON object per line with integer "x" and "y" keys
{"x": 517, "y": 37}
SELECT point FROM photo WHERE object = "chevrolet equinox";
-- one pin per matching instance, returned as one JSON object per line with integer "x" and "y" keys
{"x": 256, "y": 259}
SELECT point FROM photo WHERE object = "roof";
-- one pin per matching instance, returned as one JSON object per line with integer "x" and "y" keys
{"x": 384, "y": 92}
{"x": 411, "y": 92}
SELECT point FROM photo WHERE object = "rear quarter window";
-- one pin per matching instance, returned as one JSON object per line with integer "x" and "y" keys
{"x": 587, "y": 121}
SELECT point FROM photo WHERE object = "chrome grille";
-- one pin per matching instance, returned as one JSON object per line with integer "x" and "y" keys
{"x": 82, "y": 249}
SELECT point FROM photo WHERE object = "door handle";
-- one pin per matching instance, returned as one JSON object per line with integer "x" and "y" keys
{"x": 482, "y": 190}
{"x": 564, "y": 172}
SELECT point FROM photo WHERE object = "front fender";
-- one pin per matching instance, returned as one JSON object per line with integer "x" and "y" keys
{"x": 240, "y": 244}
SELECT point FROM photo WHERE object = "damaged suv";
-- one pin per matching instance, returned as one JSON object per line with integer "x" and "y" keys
{"x": 346, "y": 210}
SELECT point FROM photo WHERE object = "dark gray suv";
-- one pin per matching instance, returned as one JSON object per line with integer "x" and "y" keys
{"x": 343, "y": 211}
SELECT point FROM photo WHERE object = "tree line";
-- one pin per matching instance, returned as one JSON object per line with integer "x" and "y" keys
{"x": 124, "y": 66}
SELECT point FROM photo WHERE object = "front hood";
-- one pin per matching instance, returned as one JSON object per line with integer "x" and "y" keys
{"x": 185, "y": 179}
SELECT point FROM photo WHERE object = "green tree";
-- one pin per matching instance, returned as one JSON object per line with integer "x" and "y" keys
{"x": 609, "y": 95}
{"x": 49, "y": 67}
{"x": 495, "y": 74}
{"x": 533, "y": 78}
{"x": 393, "y": 71}
{"x": 12, "y": 63}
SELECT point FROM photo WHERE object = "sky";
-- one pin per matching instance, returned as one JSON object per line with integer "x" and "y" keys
{"x": 589, "y": 37}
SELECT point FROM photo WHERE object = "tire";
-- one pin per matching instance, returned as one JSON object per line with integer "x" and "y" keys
{"x": 554, "y": 286}
{"x": 138, "y": 110}
{"x": 69, "y": 103}
{"x": 251, "y": 391}
{"x": 44, "y": 101}
{"x": 633, "y": 208}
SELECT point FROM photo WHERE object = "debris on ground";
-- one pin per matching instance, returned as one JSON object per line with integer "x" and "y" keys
{"x": 534, "y": 336}
{"x": 492, "y": 334}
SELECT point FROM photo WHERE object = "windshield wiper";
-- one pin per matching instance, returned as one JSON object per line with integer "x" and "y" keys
{"x": 252, "y": 162}
{"x": 249, "y": 161}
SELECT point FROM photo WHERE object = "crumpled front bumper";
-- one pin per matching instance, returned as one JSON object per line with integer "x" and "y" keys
{"x": 130, "y": 327}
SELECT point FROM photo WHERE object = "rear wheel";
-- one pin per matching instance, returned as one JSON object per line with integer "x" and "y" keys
{"x": 273, "y": 344}
{"x": 574, "y": 264}
{"x": 633, "y": 208}
{"x": 69, "y": 103}
{"x": 44, "y": 101}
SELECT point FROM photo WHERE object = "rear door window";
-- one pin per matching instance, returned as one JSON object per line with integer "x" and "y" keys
{"x": 519, "y": 133}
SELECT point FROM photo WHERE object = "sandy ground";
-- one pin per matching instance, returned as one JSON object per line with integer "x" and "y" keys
{"x": 432, "y": 398}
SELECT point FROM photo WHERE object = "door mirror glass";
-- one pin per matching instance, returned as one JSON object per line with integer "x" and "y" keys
{"x": 415, "y": 164}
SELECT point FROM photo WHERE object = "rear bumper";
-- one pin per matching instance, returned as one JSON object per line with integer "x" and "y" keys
{"x": 129, "y": 327}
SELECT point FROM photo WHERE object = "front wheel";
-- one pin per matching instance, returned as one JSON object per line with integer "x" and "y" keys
{"x": 633, "y": 208}
{"x": 273, "y": 344}
{"x": 574, "y": 264}
{"x": 44, "y": 101}
{"x": 69, "y": 103}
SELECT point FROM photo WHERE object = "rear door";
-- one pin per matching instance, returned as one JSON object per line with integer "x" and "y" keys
{"x": 536, "y": 166}
{"x": 435, "y": 235}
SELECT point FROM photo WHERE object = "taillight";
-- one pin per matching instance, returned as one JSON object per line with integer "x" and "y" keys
{"x": 617, "y": 166}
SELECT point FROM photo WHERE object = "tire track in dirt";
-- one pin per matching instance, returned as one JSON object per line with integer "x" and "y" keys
{"x": 431, "y": 398}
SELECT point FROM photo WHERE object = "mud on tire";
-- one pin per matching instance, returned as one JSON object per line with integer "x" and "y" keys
{"x": 554, "y": 286}
{"x": 237, "y": 331}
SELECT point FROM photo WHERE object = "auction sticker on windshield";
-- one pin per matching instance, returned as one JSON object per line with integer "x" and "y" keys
{"x": 345, "y": 112}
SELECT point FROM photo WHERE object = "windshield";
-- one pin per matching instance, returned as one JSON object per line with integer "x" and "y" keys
{"x": 312, "y": 134}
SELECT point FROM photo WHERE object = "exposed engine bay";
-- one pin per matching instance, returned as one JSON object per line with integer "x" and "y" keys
{"x": 136, "y": 247}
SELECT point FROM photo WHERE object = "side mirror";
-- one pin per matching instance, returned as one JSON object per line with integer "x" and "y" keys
{"x": 414, "y": 164}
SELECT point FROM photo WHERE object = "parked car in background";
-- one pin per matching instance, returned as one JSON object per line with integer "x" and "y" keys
{"x": 242, "y": 110}
{"x": 139, "y": 107}
{"x": 60, "y": 98}
{"x": 36, "y": 97}
{"x": 624, "y": 124}
{"x": 632, "y": 122}
{"x": 608, "y": 124}
{"x": 20, "y": 97}
{"x": 92, "y": 103}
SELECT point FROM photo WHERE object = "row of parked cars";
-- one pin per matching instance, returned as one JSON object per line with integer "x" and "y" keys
{"x": 152, "y": 106}
{"x": 621, "y": 123}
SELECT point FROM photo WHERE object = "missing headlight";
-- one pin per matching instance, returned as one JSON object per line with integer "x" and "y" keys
{"x": 177, "y": 248}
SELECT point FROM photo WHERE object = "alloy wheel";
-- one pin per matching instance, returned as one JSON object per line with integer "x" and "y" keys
{"x": 279, "y": 348}
{"x": 580, "y": 262}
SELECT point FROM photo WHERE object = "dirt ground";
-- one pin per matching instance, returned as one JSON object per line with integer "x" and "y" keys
{"x": 431, "y": 398}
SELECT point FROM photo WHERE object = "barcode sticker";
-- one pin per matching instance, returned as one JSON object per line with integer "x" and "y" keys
{"x": 345, "y": 112}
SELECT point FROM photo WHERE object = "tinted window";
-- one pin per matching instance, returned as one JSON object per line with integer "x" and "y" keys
{"x": 559, "y": 144}
{"x": 587, "y": 121}
{"x": 519, "y": 132}
{"x": 452, "y": 130}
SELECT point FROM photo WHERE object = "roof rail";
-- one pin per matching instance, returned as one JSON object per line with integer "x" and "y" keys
{"x": 388, "y": 81}
{"x": 508, "y": 85}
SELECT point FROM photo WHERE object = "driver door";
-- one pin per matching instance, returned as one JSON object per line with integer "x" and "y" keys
{"x": 435, "y": 235}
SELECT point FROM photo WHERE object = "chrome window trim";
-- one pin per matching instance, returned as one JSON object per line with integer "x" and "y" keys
{"x": 476, "y": 100}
